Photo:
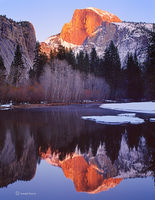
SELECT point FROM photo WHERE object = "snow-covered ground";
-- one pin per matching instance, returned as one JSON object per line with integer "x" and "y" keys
{"x": 152, "y": 119}
{"x": 124, "y": 118}
{"x": 5, "y": 106}
{"x": 128, "y": 114}
{"x": 140, "y": 107}
{"x": 114, "y": 120}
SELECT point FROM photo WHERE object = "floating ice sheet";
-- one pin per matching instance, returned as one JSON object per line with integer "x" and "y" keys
{"x": 114, "y": 120}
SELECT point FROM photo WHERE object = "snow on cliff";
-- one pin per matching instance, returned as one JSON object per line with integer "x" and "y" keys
{"x": 95, "y": 28}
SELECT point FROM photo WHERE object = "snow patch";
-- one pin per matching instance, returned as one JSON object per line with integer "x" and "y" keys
{"x": 114, "y": 120}
{"x": 68, "y": 45}
{"x": 140, "y": 107}
{"x": 50, "y": 38}
{"x": 134, "y": 26}
{"x": 5, "y": 106}
{"x": 56, "y": 40}
{"x": 152, "y": 119}
{"x": 128, "y": 114}
{"x": 110, "y": 101}
{"x": 101, "y": 12}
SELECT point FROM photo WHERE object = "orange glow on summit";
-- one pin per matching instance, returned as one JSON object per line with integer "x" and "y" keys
{"x": 84, "y": 23}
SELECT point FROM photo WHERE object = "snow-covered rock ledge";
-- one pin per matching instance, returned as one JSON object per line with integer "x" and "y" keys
{"x": 139, "y": 107}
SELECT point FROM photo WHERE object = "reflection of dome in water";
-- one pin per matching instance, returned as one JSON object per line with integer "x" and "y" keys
{"x": 86, "y": 178}
{"x": 93, "y": 173}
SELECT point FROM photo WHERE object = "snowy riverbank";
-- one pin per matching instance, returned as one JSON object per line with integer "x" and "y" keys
{"x": 139, "y": 107}
{"x": 131, "y": 118}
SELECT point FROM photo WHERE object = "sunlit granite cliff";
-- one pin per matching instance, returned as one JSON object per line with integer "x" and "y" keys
{"x": 84, "y": 23}
{"x": 93, "y": 27}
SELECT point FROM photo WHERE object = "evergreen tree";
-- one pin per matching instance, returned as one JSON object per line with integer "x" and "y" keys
{"x": 17, "y": 67}
{"x": 134, "y": 78}
{"x": 39, "y": 62}
{"x": 86, "y": 63}
{"x": 2, "y": 71}
{"x": 80, "y": 61}
{"x": 100, "y": 70}
{"x": 94, "y": 61}
{"x": 61, "y": 55}
{"x": 70, "y": 57}
{"x": 52, "y": 55}
{"x": 150, "y": 69}
{"x": 112, "y": 68}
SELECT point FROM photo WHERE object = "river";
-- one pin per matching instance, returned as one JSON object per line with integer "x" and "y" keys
{"x": 52, "y": 153}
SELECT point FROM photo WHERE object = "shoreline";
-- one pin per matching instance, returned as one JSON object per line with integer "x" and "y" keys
{"x": 46, "y": 105}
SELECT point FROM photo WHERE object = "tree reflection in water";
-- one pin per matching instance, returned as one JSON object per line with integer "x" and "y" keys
{"x": 95, "y": 157}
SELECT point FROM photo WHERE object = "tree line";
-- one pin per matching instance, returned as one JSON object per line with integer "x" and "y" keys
{"x": 132, "y": 81}
{"x": 65, "y": 76}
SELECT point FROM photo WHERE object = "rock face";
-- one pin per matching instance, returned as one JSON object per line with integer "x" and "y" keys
{"x": 13, "y": 33}
{"x": 82, "y": 25}
{"x": 85, "y": 177}
{"x": 128, "y": 37}
{"x": 96, "y": 28}
{"x": 85, "y": 22}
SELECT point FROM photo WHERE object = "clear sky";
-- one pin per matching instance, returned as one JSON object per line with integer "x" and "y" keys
{"x": 49, "y": 16}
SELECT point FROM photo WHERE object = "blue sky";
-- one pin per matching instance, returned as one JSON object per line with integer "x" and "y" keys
{"x": 49, "y": 16}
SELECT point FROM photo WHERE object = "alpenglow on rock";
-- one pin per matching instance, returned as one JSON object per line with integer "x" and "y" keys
{"x": 84, "y": 23}
{"x": 92, "y": 27}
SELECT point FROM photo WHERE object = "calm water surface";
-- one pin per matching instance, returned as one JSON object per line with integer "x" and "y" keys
{"x": 53, "y": 154}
